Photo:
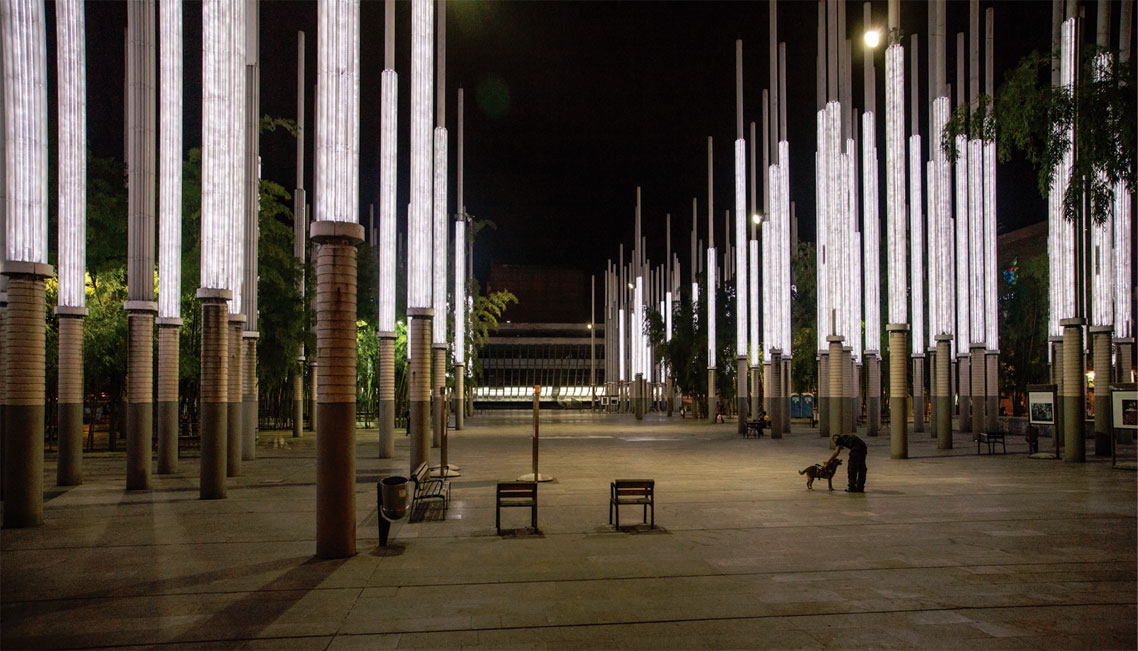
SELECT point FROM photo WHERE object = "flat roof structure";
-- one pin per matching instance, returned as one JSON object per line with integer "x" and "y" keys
{"x": 948, "y": 549}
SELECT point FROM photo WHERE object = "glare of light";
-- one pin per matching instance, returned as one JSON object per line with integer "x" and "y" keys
{"x": 757, "y": 218}
{"x": 25, "y": 98}
{"x": 871, "y": 256}
{"x": 895, "y": 182}
{"x": 419, "y": 221}
{"x": 72, "y": 156}
{"x": 439, "y": 248}
{"x": 460, "y": 291}
{"x": 388, "y": 170}
{"x": 740, "y": 247}
{"x": 711, "y": 307}
{"x": 872, "y": 38}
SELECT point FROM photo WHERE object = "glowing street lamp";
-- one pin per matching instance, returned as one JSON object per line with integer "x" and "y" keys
{"x": 872, "y": 38}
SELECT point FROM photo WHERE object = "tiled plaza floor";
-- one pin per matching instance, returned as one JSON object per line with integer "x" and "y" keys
{"x": 944, "y": 550}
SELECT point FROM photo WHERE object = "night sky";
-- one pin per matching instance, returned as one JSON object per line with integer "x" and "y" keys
{"x": 571, "y": 105}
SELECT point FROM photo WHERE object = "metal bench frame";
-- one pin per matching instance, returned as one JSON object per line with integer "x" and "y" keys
{"x": 428, "y": 488}
{"x": 632, "y": 491}
{"x": 516, "y": 493}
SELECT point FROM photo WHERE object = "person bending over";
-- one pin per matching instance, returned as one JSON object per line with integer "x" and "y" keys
{"x": 856, "y": 467}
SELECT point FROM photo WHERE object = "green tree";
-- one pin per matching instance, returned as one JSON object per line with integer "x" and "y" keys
{"x": 1023, "y": 326}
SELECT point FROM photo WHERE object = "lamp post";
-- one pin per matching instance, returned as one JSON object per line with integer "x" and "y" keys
{"x": 388, "y": 176}
{"x": 299, "y": 236}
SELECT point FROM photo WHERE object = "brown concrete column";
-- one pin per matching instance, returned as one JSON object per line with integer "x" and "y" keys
{"x": 741, "y": 391}
{"x": 711, "y": 395}
{"x": 964, "y": 390}
{"x": 24, "y": 400}
{"x": 460, "y": 396}
{"x": 1101, "y": 350}
{"x": 438, "y": 387}
{"x": 942, "y": 393}
{"x": 992, "y": 383}
{"x": 823, "y": 394}
{"x": 139, "y": 393}
{"x": 386, "y": 415}
{"x": 1073, "y": 398}
{"x": 312, "y": 384}
{"x": 873, "y": 394}
{"x": 336, "y": 390}
{"x": 249, "y": 396}
{"x": 638, "y": 396}
{"x": 298, "y": 398}
{"x": 3, "y": 379}
{"x": 1057, "y": 380}
{"x": 785, "y": 395}
{"x": 919, "y": 396}
{"x": 167, "y": 407}
{"x": 770, "y": 389}
{"x": 419, "y": 385}
{"x": 234, "y": 416}
{"x": 849, "y": 386}
{"x": 69, "y": 469}
{"x": 776, "y": 414}
{"x": 979, "y": 394}
{"x": 756, "y": 392}
{"x": 213, "y": 408}
{"x": 837, "y": 377}
{"x": 898, "y": 390}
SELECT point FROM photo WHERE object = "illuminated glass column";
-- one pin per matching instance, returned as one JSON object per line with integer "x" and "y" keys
{"x": 896, "y": 218}
{"x": 917, "y": 247}
{"x": 419, "y": 305}
{"x": 169, "y": 229}
{"x": 711, "y": 391}
{"x": 25, "y": 258}
{"x": 991, "y": 272}
{"x": 460, "y": 311}
{"x": 140, "y": 304}
{"x": 871, "y": 240}
{"x": 235, "y": 207}
{"x": 440, "y": 230}
{"x": 251, "y": 81}
{"x": 72, "y": 177}
{"x": 741, "y": 248}
{"x": 337, "y": 231}
{"x": 388, "y": 177}
{"x": 218, "y": 223}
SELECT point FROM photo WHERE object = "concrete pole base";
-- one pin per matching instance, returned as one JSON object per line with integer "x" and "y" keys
{"x": 756, "y": 394}
{"x": 872, "y": 394}
{"x": 785, "y": 394}
{"x": 964, "y": 391}
{"x": 920, "y": 404}
{"x": 1124, "y": 363}
{"x": 1074, "y": 405}
{"x": 824, "y": 395}
{"x": 459, "y": 396}
{"x": 419, "y": 388}
{"x": 213, "y": 412}
{"x": 313, "y": 376}
{"x": 438, "y": 387}
{"x": 167, "y": 405}
{"x": 979, "y": 392}
{"x": 249, "y": 398}
{"x": 140, "y": 405}
{"x": 298, "y": 399}
{"x": 336, "y": 390}
{"x": 638, "y": 397}
{"x": 386, "y": 415}
{"x": 942, "y": 393}
{"x": 741, "y": 391}
{"x": 991, "y": 374}
{"x": 898, "y": 390}
{"x": 69, "y": 469}
{"x": 712, "y": 395}
{"x": 235, "y": 414}
{"x": 1101, "y": 350}
{"x": 836, "y": 393}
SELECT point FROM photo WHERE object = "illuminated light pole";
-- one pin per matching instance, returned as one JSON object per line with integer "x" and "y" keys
{"x": 169, "y": 230}
{"x": 963, "y": 322}
{"x": 419, "y": 305}
{"x": 140, "y": 305}
{"x": 871, "y": 254}
{"x": 637, "y": 315}
{"x": 898, "y": 326}
{"x": 72, "y": 178}
{"x": 1102, "y": 278}
{"x": 252, "y": 162}
{"x": 753, "y": 284}
{"x": 235, "y": 205}
{"x": 3, "y": 256}
{"x": 977, "y": 326}
{"x": 388, "y": 177}
{"x": 217, "y": 256}
{"x": 25, "y": 258}
{"x": 337, "y": 231}
{"x": 711, "y": 391}
{"x": 821, "y": 190}
{"x": 991, "y": 272}
{"x": 784, "y": 235}
{"x": 440, "y": 231}
{"x": 741, "y": 247}
{"x": 300, "y": 237}
{"x": 460, "y": 313}
{"x": 1123, "y": 243}
{"x": 917, "y": 247}
{"x": 942, "y": 301}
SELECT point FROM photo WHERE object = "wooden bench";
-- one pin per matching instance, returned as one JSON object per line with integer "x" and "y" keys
{"x": 755, "y": 428}
{"x": 516, "y": 493}
{"x": 427, "y": 488}
{"x": 632, "y": 491}
{"x": 991, "y": 438}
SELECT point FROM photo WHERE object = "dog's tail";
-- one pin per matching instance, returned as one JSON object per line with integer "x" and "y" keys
{"x": 802, "y": 472}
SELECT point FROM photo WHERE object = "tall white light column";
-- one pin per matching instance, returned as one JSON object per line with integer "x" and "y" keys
{"x": 337, "y": 231}
{"x": 235, "y": 205}
{"x": 898, "y": 242}
{"x": 741, "y": 248}
{"x": 460, "y": 311}
{"x": 440, "y": 229}
{"x": 25, "y": 257}
{"x": 388, "y": 177}
{"x": 169, "y": 229}
{"x": 72, "y": 204}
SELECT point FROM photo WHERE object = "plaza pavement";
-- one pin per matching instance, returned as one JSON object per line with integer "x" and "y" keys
{"x": 944, "y": 550}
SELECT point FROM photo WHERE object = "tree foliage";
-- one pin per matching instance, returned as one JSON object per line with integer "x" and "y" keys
{"x": 1096, "y": 115}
